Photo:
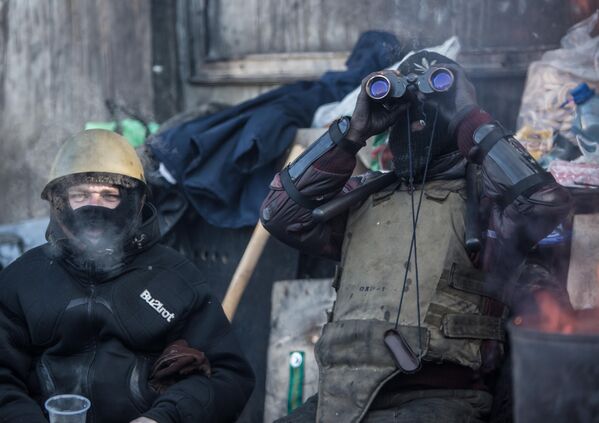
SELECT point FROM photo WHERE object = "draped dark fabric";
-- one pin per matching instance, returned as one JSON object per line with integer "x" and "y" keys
{"x": 224, "y": 162}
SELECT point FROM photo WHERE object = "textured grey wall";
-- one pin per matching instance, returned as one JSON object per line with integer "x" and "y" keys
{"x": 59, "y": 61}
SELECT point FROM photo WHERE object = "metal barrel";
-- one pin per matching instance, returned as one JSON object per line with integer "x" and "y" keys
{"x": 555, "y": 376}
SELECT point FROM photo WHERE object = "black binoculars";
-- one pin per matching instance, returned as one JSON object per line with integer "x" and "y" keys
{"x": 389, "y": 86}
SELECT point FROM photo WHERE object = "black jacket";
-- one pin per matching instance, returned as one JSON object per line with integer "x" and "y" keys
{"x": 63, "y": 330}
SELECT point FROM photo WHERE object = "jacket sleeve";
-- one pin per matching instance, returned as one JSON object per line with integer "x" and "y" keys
{"x": 198, "y": 398}
{"x": 291, "y": 223}
{"x": 16, "y": 406}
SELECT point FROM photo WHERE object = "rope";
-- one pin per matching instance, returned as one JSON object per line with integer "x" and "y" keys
{"x": 415, "y": 217}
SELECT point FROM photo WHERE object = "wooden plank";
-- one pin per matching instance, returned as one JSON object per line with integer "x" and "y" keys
{"x": 269, "y": 68}
{"x": 583, "y": 273}
{"x": 289, "y": 67}
{"x": 297, "y": 317}
{"x": 278, "y": 41}
{"x": 240, "y": 27}
{"x": 166, "y": 79}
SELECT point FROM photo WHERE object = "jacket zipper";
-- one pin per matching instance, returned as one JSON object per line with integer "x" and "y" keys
{"x": 94, "y": 342}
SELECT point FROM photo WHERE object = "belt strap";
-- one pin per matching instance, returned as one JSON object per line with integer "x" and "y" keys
{"x": 295, "y": 194}
{"x": 473, "y": 282}
{"x": 473, "y": 326}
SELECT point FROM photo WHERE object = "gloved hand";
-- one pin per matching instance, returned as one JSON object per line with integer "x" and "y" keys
{"x": 177, "y": 361}
{"x": 370, "y": 117}
{"x": 456, "y": 103}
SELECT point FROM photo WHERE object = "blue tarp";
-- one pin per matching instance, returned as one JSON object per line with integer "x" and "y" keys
{"x": 225, "y": 161}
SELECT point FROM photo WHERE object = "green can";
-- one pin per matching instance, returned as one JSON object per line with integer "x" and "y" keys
{"x": 296, "y": 380}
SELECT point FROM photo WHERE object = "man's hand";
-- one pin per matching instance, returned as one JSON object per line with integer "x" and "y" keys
{"x": 143, "y": 420}
{"x": 455, "y": 104}
{"x": 370, "y": 117}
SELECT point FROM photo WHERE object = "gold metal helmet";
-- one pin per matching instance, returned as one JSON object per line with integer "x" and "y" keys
{"x": 96, "y": 153}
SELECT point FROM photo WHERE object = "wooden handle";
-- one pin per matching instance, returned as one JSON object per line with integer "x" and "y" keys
{"x": 244, "y": 270}
{"x": 251, "y": 255}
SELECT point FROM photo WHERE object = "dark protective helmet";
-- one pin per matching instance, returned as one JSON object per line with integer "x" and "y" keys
{"x": 96, "y": 155}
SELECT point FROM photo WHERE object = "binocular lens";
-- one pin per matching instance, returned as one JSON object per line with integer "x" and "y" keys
{"x": 441, "y": 80}
{"x": 378, "y": 87}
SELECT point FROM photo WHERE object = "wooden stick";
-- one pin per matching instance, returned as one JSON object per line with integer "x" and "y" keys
{"x": 249, "y": 260}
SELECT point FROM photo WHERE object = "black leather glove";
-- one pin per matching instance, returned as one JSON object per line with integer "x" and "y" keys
{"x": 456, "y": 103}
{"x": 370, "y": 117}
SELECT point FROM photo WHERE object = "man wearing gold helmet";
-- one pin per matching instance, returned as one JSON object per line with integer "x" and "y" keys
{"x": 104, "y": 311}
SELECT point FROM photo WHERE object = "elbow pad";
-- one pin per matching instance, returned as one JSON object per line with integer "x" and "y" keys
{"x": 508, "y": 162}
{"x": 334, "y": 137}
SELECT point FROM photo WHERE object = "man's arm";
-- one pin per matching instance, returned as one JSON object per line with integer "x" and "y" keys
{"x": 292, "y": 223}
{"x": 16, "y": 406}
{"x": 199, "y": 398}
{"x": 524, "y": 202}
{"x": 321, "y": 173}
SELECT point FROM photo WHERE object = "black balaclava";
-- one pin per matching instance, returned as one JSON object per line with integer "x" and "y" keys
{"x": 418, "y": 63}
{"x": 118, "y": 226}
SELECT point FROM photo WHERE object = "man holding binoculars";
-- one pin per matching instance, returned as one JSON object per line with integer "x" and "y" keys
{"x": 428, "y": 263}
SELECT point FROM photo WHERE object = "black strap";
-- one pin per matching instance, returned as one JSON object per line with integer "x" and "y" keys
{"x": 312, "y": 153}
{"x": 498, "y": 133}
{"x": 525, "y": 185}
{"x": 338, "y": 137}
{"x": 294, "y": 193}
{"x": 473, "y": 282}
{"x": 333, "y": 137}
{"x": 335, "y": 133}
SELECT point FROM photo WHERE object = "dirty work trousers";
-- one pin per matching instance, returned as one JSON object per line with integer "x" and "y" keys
{"x": 426, "y": 406}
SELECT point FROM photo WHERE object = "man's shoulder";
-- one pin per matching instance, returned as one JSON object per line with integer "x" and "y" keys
{"x": 162, "y": 256}
{"x": 30, "y": 258}
{"x": 26, "y": 272}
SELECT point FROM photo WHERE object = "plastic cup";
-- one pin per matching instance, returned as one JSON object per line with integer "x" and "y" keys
{"x": 68, "y": 408}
